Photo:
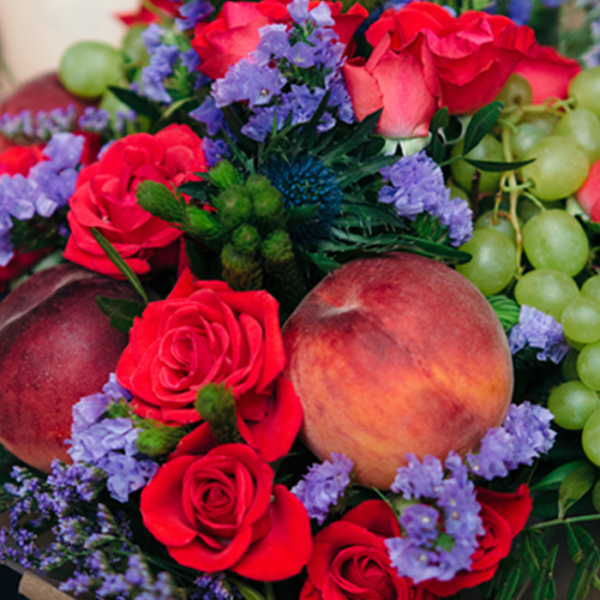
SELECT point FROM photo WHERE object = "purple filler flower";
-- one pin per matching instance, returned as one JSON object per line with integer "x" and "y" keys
{"x": 324, "y": 485}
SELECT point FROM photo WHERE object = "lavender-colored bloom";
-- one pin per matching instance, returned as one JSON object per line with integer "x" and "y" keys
{"x": 298, "y": 10}
{"x": 193, "y": 12}
{"x": 94, "y": 119}
{"x": 274, "y": 42}
{"x": 552, "y": 3}
{"x": 420, "y": 522}
{"x": 539, "y": 330}
{"x": 324, "y": 485}
{"x": 419, "y": 479}
{"x": 458, "y": 217}
{"x": 190, "y": 60}
{"x": 321, "y": 15}
{"x": 520, "y": 11}
{"x": 495, "y": 452}
{"x": 301, "y": 54}
{"x": 152, "y": 37}
{"x": 162, "y": 59}
{"x": 209, "y": 114}
{"x": 214, "y": 151}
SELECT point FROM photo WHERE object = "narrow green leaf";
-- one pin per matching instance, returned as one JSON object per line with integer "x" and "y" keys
{"x": 506, "y": 310}
{"x": 574, "y": 487}
{"x": 509, "y": 585}
{"x": 584, "y": 575}
{"x": 120, "y": 312}
{"x": 483, "y": 120}
{"x": 141, "y": 105}
{"x": 118, "y": 261}
{"x": 437, "y": 146}
{"x": 544, "y": 579}
{"x": 365, "y": 168}
{"x": 323, "y": 262}
{"x": 248, "y": 592}
{"x": 556, "y": 477}
{"x": 194, "y": 189}
{"x": 579, "y": 542}
{"x": 308, "y": 134}
{"x": 296, "y": 215}
{"x": 175, "y": 106}
{"x": 496, "y": 166}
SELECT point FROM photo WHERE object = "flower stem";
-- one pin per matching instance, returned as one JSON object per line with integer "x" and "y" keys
{"x": 554, "y": 522}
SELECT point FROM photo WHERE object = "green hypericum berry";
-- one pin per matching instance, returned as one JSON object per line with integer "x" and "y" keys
{"x": 216, "y": 405}
{"x": 240, "y": 271}
{"x": 160, "y": 201}
{"x": 233, "y": 206}
{"x": 202, "y": 225}
{"x": 267, "y": 202}
{"x": 159, "y": 439}
{"x": 224, "y": 175}
{"x": 246, "y": 239}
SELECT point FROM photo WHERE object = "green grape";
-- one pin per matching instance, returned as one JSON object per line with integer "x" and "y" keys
{"x": 544, "y": 120}
{"x": 572, "y": 403}
{"x": 493, "y": 262}
{"x": 516, "y": 92}
{"x": 527, "y": 209}
{"x": 501, "y": 224}
{"x": 581, "y": 320}
{"x": 568, "y": 369}
{"x": 548, "y": 291}
{"x": 590, "y": 438}
{"x": 133, "y": 45}
{"x": 588, "y": 365}
{"x": 457, "y": 192}
{"x": 591, "y": 288}
{"x": 559, "y": 169}
{"x": 488, "y": 149}
{"x": 577, "y": 345}
{"x": 527, "y": 136}
{"x": 582, "y": 126}
{"x": 88, "y": 68}
{"x": 555, "y": 240}
{"x": 585, "y": 88}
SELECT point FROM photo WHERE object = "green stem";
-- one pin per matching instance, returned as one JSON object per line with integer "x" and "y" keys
{"x": 554, "y": 522}
{"x": 269, "y": 591}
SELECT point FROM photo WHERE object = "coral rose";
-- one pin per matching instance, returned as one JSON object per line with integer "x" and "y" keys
{"x": 218, "y": 509}
{"x": 350, "y": 560}
{"x": 234, "y": 32}
{"x": 470, "y": 57}
{"x": 204, "y": 332}
{"x": 504, "y": 516}
{"x": 104, "y": 198}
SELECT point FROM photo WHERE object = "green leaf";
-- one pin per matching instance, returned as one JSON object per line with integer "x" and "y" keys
{"x": 364, "y": 168}
{"x": 296, "y": 215}
{"x": 308, "y": 134}
{"x": 556, "y": 477}
{"x": 506, "y": 309}
{"x": 544, "y": 587}
{"x": 437, "y": 146}
{"x": 141, "y": 105}
{"x": 118, "y": 261}
{"x": 584, "y": 575}
{"x": 497, "y": 166}
{"x": 323, "y": 262}
{"x": 574, "y": 487}
{"x": 120, "y": 312}
{"x": 249, "y": 593}
{"x": 509, "y": 585}
{"x": 579, "y": 543}
{"x": 194, "y": 189}
{"x": 483, "y": 120}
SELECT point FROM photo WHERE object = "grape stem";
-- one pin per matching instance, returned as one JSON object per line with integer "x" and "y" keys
{"x": 513, "y": 197}
{"x": 534, "y": 199}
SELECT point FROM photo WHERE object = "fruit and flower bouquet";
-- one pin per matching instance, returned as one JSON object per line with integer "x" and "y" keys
{"x": 302, "y": 301}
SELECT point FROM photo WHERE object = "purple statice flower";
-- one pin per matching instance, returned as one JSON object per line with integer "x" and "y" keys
{"x": 519, "y": 11}
{"x": 539, "y": 330}
{"x": 320, "y": 15}
{"x": 41, "y": 128}
{"x": 94, "y": 119}
{"x": 109, "y": 444}
{"x": 190, "y": 60}
{"x": 591, "y": 58}
{"x": 210, "y": 115}
{"x": 193, "y": 12}
{"x": 524, "y": 436}
{"x": 162, "y": 59}
{"x": 214, "y": 587}
{"x": 417, "y": 186}
{"x": 324, "y": 485}
{"x": 448, "y": 507}
{"x": 214, "y": 151}
{"x": 152, "y": 37}
{"x": 274, "y": 43}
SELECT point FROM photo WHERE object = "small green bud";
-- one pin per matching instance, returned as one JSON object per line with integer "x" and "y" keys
{"x": 159, "y": 439}
{"x": 241, "y": 271}
{"x": 159, "y": 200}
{"x": 246, "y": 239}
{"x": 268, "y": 207}
{"x": 201, "y": 224}
{"x": 215, "y": 403}
{"x": 234, "y": 207}
{"x": 118, "y": 410}
{"x": 277, "y": 248}
{"x": 224, "y": 175}
{"x": 255, "y": 184}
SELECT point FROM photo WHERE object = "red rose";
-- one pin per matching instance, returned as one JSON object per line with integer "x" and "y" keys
{"x": 588, "y": 195}
{"x": 547, "y": 72}
{"x": 470, "y": 57}
{"x": 233, "y": 34}
{"x": 218, "y": 509}
{"x": 104, "y": 198}
{"x": 393, "y": 80}
{"x": 504, "y": 516}
{"x": 350, "y": 560}
{"x": 205, "y": 332}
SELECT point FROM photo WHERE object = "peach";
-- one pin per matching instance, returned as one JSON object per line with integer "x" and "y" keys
{"x": 56, "y": 346}
{"x": 396, "y": 354}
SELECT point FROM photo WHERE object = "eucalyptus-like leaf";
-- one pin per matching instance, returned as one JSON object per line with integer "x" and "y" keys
{"x": 141, "y": 105}
{"x": 117, "y": 260}
{"x": 506, "y": 310}
{"x": 297, "y": 215}
{"x": 555, "y": 478}
{"x": 543, "y": 581}
{"x": 437, "y": 146}
{"x": 247, "y": 591}
{"x": 483, "y": 120}
{"x": 497, "y": 166}
{"x": 574, "y": 486}
{"x": 120, "y": 312}
{"x": 585, "y": 572}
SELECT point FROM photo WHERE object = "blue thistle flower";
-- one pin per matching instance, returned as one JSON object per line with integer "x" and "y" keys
{"x": 306, "y": 181}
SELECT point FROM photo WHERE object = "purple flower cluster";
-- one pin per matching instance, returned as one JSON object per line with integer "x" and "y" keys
{"x": 272, "y": 79}
{"x": 39, "y": 129}
{"x": 417, "y": 186}
{"x": 47, "y": 187}
{"x": 324, "y": 485}
{"x": 524, "y": 435}
{"x": 440, "y": 533}
{"x": 93, "y": 119}
{"x": 214, "y": 587}
{"x": 193, "y": 13}
{"x": 539, "y": 330}
{"x": 109, "y": 444}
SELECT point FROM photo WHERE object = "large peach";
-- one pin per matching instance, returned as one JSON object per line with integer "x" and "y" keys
{"x": 396, "y": 354}
{"x": 55, "y": 347}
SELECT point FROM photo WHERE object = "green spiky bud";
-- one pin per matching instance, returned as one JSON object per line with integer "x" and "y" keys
{"x": 257, "y": 183}
{"x": 284, "y": 278}
{"x": 158, "y": 439}
{"x": 246, "y": 239}
{"x": 224, "y": 175}
{"x": 159, "y": 200}
{"x": 215, "y": 403}
{"x": 202, "y": 225}
{"x": 233, "y": 206}
{"x": 240, "y": 271}
{"x": 267, "y": 202}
